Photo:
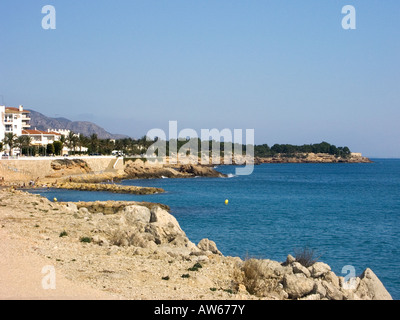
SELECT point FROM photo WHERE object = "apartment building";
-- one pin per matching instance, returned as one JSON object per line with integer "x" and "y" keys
{"x": 2, "y": 126}
{"x": 13, "y": 120}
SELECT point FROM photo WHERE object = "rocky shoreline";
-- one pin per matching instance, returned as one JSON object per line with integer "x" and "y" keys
{"x": 139, "y": 251}
{"x": 114, "y": 188}
{"x": 312, "y": 158}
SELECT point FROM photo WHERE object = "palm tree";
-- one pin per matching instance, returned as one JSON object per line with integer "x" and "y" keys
{"x": 23, "y": 142}
{"x": 93, "y": 143}
{"x": 82, "y": 142}
{"x": 27, "y": 144}
{"x": 63, "y": 140}
{"x": 10, "y": 140}
{"x": 72, "y": 141}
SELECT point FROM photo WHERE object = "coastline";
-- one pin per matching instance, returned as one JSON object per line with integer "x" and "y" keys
{"x": 58, "y": 172}
{"x": 312, "y": 158}
{"x": 140, "y": 252}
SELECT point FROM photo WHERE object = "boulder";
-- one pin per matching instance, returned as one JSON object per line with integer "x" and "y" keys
{"x": 297, "y": 286}
{"x": 319, "y": 269}
{"x": 164, "y": 227}
{"x": 289, "y": 260}
{"x": 371, "y": 288}
{"x": 133, "y": 214}
{"x": 332, "y": 292}
{"x": 299, "y": 268}
{"x": 208, "y": 245}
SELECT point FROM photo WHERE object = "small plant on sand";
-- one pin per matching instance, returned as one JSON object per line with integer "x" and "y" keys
{"x": 185, "y": 275}
{"x": 85, "y": 239}
{"x": 196, "y": 267}
{"x": 63, "y": 234}
{"x": 165, "y": 278}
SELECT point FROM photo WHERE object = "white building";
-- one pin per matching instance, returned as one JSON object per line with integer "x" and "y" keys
{"x": 41, "y": 138}
{"x": 2, "y": 124}
{"x": 15, "y": 120}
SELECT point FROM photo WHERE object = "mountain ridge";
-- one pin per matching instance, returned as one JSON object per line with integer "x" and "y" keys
{"x": 86, "y": 128}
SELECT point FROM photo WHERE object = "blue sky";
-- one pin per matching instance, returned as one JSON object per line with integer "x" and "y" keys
{"x": 285, "y": 68}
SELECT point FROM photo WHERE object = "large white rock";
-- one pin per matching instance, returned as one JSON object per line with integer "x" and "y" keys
{"x": 164, "y": 227}
{"x": 133, "y": 214}
{"x": 371, "y": 288}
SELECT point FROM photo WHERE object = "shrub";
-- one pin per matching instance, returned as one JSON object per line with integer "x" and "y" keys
{"x": 305, "y": 256}
{"x": 63, "y": 234}
{"x": 86, "y": 239}
{"x": 196, "y": 267}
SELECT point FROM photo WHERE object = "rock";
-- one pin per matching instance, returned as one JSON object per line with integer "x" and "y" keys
{"x": 133, "y": 214}
{"x": 319, "y": 289}
{"x": 289, "y": 260}
{"x": 332, "y": 292}
{"x": 371, "y": 288}
{"x": 299, "y": 268}
{"x": 208, "y": 245}
{"x": 297, "y": 286}
{"x": 200, "y": 171}
{"x": 241, "y": 288}
{"x": 332, "y": 278}
{"x": 262, "y": 278}
{"x": 71, "y": 207}
{"x": 84, "y": 211}
{"x": 319, "y": 269}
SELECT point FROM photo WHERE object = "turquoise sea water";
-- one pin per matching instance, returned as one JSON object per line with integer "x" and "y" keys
{"x": 348, "y": 213}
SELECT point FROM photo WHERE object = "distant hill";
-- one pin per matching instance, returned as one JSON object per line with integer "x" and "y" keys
{"x": 42, "y": 122}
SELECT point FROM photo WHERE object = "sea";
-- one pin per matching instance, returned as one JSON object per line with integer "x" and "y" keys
{"x": 348, "y": 214}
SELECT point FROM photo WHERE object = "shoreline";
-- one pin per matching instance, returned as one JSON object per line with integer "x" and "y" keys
{"x": 140, "y": 252}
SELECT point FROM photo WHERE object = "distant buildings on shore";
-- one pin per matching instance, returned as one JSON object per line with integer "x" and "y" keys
{"x": 16, "y": 121}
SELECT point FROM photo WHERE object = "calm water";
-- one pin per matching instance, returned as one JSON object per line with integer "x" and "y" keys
{"x": 348, "y": 213}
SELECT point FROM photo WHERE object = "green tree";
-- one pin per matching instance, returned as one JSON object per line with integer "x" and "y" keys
{"x": 10, "y": 139}
{"x": 72, "y": 141}
{"x": 93, "y": 143}
{"x": 58, "y": 146}
{"x": 82, "y": 142}
{"x": 50, "y": 149}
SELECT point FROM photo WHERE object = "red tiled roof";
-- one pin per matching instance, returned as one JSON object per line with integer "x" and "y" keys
{"x": 12, "y": 109}
{"x": 32, "y": 132}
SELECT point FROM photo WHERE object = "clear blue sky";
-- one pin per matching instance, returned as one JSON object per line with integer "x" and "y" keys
{"x": 286, "y": 68}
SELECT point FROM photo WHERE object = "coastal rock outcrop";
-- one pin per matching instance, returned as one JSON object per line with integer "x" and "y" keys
{"x": 311, "y": 158}
{"x": 142, "y": 170}
{"x": 272, "y": 280}
{"x": 115, "y": 188}
{"x": 370, "y": 287}
{"x": 200, "y": 171}
{"x": 66, "y": 167}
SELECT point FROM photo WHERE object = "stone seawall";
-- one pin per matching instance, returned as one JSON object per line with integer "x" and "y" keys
{"x": 25, "y": 169}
